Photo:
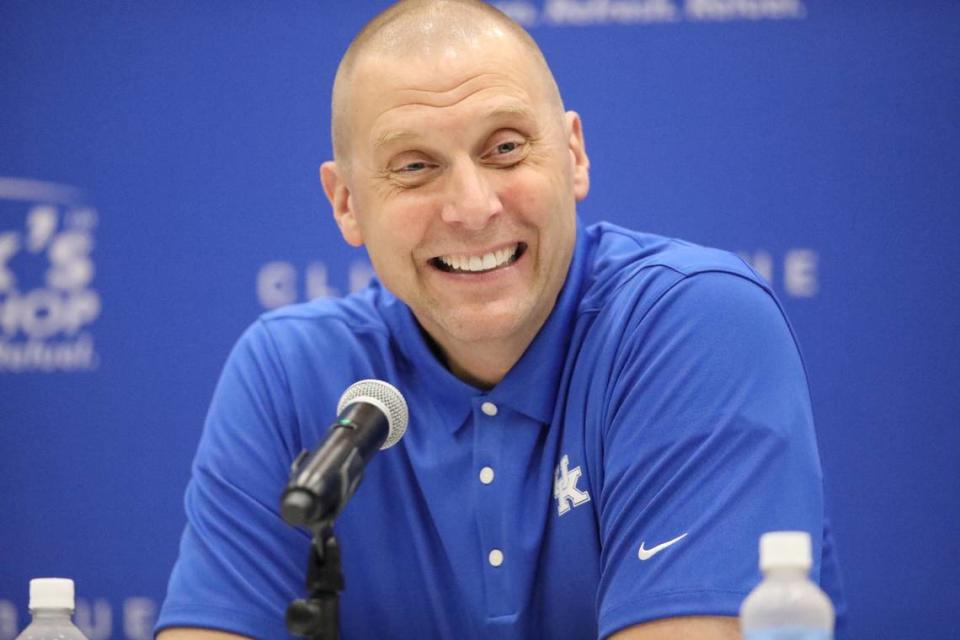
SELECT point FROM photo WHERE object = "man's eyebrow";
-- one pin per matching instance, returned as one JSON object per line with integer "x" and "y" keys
{"x": 390, "y": 137}
{"x": 510, "y": 111}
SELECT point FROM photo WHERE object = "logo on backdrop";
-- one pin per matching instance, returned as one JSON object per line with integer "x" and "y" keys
{"x": 280, "y": 282}
{"x": 530, "y": 13}
{"x": 97, "y": 619}
{"x": 47, "y": 302}
{"x": 795, "y": 272}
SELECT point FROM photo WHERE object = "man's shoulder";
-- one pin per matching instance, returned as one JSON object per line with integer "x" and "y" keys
{"x": 624, "y": 261}
{"x": 324, "y": 327}
{"x": 360, "y": 312}
{"x": 618, "y": 249}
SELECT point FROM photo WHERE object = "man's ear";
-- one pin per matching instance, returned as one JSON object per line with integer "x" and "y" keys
{"x": 338, "y": 193}
{"x": 578, "y": 155}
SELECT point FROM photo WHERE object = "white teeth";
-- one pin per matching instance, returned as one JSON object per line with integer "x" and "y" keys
{"x": 485, "y": 262}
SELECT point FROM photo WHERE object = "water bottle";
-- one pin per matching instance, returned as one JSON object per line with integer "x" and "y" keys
{"x": 786, "y": 605}
{"x": 51, "y": 603}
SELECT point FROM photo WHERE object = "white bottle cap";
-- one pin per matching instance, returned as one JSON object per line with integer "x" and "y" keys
{"x": 51, "y": 593}
{"x": 785, "y": 549}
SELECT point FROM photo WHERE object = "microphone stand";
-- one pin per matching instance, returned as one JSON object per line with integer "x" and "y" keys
{"x": 320, "y": 484}
{"x": 317, "y": 617}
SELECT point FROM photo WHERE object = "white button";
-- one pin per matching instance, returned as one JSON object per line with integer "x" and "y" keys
{"x": 489, "y": 408}
{"x": 496, "y": 557}
{"x": 486, "y": 475}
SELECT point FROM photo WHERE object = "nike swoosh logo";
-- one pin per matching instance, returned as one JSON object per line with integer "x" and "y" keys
{"x": 646, "y": 554}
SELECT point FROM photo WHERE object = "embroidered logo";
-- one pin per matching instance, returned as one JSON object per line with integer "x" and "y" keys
{"x": 646, "y": 554}
{"x": 565, "y": 487}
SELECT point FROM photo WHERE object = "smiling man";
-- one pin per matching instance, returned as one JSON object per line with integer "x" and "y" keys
{"x": 603, "y": 421}
{"x": 459, "y": 171}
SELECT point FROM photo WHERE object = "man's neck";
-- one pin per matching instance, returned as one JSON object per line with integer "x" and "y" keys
{"x": 484, "y": 364}
{"x": 483, "y": 375}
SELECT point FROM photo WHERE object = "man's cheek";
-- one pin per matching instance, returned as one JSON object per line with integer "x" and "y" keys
{"x": 521, "y": 193}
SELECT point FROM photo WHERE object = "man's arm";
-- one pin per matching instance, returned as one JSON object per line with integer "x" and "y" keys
{"x": 688, "y": 628}
{"x": 198, "y": 634}
{"x": 708, "y": 436}
{"x": 221, "y": 579}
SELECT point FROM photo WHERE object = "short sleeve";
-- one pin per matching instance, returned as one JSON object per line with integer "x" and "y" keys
{"x": 708, "y": 442}
{"x": 239, "y": 563}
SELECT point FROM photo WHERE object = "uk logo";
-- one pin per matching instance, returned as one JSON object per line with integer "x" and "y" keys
{"x": 48, "y": 300}
{"x": 565, "y": 488}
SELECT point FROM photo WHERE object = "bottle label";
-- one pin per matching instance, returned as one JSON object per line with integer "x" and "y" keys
{"x": 789, "y": 633}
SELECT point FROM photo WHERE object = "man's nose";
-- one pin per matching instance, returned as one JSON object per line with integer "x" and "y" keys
{"x": 471, "y": 201}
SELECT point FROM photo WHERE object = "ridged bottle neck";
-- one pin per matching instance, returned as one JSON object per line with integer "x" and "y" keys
{"x": 786, "y": 573}
{"x": 52, "y": 614}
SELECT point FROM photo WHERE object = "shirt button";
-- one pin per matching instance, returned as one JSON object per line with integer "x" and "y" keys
{"x": 486, "y": 475}
{"x": 489, "y": 408}
{"x": 496, "y": 557}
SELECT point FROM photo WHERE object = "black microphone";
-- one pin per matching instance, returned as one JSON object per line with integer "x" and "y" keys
{"x": 371, "y": 415}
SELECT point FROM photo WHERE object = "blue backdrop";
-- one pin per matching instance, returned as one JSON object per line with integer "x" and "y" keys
{"x": 158, "y": 190}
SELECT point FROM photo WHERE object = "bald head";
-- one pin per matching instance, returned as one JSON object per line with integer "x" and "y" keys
{"x": 423, "y": 28}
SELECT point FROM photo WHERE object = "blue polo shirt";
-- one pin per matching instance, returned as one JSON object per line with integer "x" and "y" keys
{"x": 621, "y": 472}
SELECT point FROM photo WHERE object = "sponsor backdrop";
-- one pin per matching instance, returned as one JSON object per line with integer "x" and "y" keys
{"x": 158, "y": 190}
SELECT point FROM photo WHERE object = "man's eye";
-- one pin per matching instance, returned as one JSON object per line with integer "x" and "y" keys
{"x": 507, "y": 153}
{"x": 412, "y": 167}
{"x": 507, "y": 147}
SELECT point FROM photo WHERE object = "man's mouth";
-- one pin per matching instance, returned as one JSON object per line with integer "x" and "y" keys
{"x": 479, "y": 263}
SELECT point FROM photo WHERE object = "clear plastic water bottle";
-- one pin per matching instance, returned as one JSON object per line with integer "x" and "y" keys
{"x": 786, "y": 605}
{"x": 51, "y": 603}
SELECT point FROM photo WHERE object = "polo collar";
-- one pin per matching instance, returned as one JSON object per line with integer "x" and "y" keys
{"x": 531, "y": 386}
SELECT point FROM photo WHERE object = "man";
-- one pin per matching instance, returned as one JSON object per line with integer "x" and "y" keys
{"x": 602, "y": 423}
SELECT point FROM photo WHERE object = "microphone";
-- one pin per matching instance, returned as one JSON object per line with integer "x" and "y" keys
{"x": 371, "y": 415}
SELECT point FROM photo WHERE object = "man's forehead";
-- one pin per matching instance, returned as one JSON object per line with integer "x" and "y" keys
{"x": 437, "y": 62}
{"x": 384, "y": 82}
{"x": 433, "y": 27}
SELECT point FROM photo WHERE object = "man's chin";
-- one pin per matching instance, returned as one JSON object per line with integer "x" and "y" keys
{"x": 488, "y": 326}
